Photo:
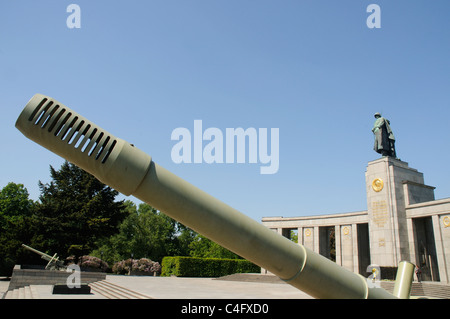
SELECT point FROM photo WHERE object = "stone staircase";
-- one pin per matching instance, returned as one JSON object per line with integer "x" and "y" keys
{"x": 113, "y": 291}
{"x": 109, "y": 290}
{"x": 423, "y": 289}
{"x": 26, "y": 292}
{"x": 101, "y": 288}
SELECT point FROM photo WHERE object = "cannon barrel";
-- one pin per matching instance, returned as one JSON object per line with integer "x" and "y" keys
{"x": 53, "y": 261}
{"x": 43, "y": 255}
{"x": 403, "y": 280}
{"x": 129, "y": 170}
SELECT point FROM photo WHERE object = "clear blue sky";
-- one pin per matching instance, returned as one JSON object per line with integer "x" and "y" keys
{"x": 313, "y": 69}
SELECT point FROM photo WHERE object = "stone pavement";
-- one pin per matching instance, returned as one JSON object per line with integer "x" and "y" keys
{"x": 238, "y": 286}
{"x": 171, "y": 288}
{"x": 4, "y": 284}
{"x": 207, "y": 288}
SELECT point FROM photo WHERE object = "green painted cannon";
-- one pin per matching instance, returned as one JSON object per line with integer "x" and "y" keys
{"x": 53, "y": 261}
{"x": 129, "y": 170}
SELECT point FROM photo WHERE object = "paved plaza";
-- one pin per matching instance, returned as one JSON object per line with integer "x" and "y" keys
{"x": 237, "y": 286}
{"x": 206, "y": 288}
{"x": 182, "y": 288}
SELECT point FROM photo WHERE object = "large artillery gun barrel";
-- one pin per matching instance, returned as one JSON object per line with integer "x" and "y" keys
{"x": 129, "y": 170}
{"x": 43, "y": 255}
{"x": 53, "y": 261}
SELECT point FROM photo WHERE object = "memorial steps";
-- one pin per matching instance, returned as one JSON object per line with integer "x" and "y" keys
{"x": 102, "y": 289}
{"x": 423, "y": 289}
{"x": 27, "y": 292}
{"x": 113, "y": 291}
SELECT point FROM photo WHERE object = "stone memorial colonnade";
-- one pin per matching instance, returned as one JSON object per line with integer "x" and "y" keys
{"x": 403, "y": 221}
{"x": 316, "y": 233}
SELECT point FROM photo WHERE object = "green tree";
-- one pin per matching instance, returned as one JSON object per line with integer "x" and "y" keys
{"x": 15, "y": 224}
{"x": 145, "y": 233}
{"x": 294, "y": 236}
{"x": 14, "y": 202}
{"x": 205, "y": 248}
{"x": 75, "y": 210}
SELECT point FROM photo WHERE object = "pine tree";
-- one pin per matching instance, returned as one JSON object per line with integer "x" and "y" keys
{"x": 75, "y": 210}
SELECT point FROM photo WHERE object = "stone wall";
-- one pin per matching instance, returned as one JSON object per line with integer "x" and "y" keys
{"x": 25, "y": 277}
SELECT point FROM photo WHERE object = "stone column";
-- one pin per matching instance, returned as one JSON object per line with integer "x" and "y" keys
{"x": 441, "y": 231}
{"x": 300, "y": 235}
{"x": 316, "y": 239}
{"x": 337, "y": 236}
{"x": 355, "y": 248}
{"x": 308, "y": 237}
{"x": 411, "y": 240}
{"x": 347, "y": 246}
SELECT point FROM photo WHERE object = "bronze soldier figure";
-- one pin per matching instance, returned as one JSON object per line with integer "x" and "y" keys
{"x": 384, "y": 137}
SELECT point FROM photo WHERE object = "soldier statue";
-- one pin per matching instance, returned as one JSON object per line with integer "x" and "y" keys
{"x": 384, "y": 138}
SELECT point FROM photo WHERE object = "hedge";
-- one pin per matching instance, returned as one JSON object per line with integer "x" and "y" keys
{"x": 205, "y": 267}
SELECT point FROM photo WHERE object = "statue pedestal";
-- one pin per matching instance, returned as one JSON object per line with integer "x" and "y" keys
{"x": 391, "y": 185}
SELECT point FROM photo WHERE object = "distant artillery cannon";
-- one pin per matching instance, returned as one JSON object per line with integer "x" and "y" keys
{"x": 127, "y": 169}
{"x": 53, "y": 261}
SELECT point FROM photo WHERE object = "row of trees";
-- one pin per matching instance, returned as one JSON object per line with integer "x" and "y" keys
{"x": 78, "y": 215}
